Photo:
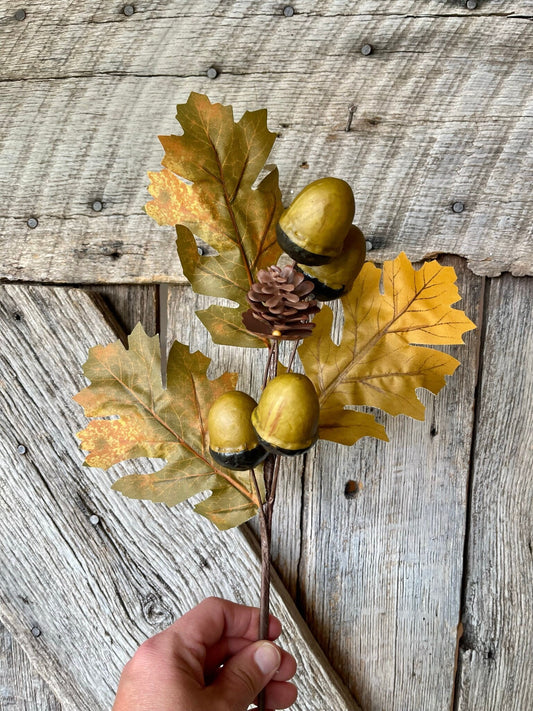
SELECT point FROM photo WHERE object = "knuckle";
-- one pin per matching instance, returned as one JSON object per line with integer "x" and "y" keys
{"x": 145, "y": 655}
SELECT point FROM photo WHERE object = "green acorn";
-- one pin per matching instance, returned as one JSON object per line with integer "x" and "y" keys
{"x": 313, "y": 228}
{"x": 335, "y": 279}
{"x": 286, "y": 418}
{"x": 233, "y": 442}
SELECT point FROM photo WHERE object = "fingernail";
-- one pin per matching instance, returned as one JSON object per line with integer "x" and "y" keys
{"x": 267, "y": 658}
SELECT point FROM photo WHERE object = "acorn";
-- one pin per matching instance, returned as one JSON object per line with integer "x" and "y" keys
{"x": 335, "y": 279}
{"x": 286, "y": 418}
{"x": 312, "y": 229}
{"x": 233, "y": 442}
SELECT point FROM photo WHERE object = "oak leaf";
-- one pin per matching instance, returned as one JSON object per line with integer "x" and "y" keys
{"x": 380, "y": 360}
{"x": 206, "y": 189}
{"x": 157, "y": 422}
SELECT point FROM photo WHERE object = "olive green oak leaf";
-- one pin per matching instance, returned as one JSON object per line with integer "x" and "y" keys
{"x": 220, "y": 276}
{"x": 207, "y": 186}
{"x": 380, "y": 360}
{"x": 157, "y": 422}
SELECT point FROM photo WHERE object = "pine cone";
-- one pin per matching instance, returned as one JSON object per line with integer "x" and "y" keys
{"x": 280, "y": 307}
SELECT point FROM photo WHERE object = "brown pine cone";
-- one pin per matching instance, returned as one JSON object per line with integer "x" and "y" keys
{"x": 280, "y": 304}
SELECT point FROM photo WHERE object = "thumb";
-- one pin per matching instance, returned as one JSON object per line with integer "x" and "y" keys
{"x": 244, "y": 675}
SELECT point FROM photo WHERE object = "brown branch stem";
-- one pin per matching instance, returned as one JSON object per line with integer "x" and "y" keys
{"x": 270, "y": 474}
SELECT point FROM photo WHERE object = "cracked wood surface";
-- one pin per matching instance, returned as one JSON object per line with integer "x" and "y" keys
{"x": 97, "y": 588}
{"x": 381, "y": 569}
{"x": 496, "y": 650}
{"x": 443, "y": 115}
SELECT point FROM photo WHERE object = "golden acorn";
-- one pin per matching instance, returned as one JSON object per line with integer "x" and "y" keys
{"x": 233, "y": 442}
{"x": 312, "y": 229}
{"x": 335, "y": 279}
{"x": 286, "y": 418}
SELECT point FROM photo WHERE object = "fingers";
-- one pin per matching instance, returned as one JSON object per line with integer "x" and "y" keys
{"x": 228, "y": 647}
{"x": 212, "y": 620}
{"x": 245, "y": 674}
{"x": 280, "y": 694}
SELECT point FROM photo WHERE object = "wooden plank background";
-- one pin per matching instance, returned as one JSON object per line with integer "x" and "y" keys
{"x": 443, "y": 111}
{"x": 416, "y": 578}
{"x": 97, "y": 573}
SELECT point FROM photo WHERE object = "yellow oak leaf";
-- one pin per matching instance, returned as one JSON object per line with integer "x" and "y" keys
{"x": 206, "y": 190}
{"x": 167, "y": 423}
{"x": 381, "y": 359}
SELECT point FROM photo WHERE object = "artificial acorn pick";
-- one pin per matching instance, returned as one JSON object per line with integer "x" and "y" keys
{"x": 233, "y": 442}
{"x": 312, "y": 229}
{"x": 333, "y": 280}
{"x": 390, "y": 315}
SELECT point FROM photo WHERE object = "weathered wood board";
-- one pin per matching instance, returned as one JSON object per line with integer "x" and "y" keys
{"x": 93, "y": 572}
{"x": 21, "y": 689}
{"x": 496, "y": 652}
{"x": 380, "y": 570}
{"x": 443, "y": 116}
{"x": 128, "y": 305}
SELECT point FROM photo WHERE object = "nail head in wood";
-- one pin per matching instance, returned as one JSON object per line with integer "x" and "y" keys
{"x": 212, "y": 73}
{"x": 471, "y": 4}
{"x": 128, "y": 10}
{"x": 201, "y": 251}
{"x": 20, "y": 15}
{"x": 351, "y": 111}
{"x": 97, "y": 206}
{"x": 458, "y": 207}
{"x": 94, "y": 519}
{"x": 21, "y": 449}
{"x": 366, "y": 49}
{"x": 368, "y": 245}
{"x": 288, "y": 11}
{"x": 36, "y": 632}
{"x": 32, "y": 222}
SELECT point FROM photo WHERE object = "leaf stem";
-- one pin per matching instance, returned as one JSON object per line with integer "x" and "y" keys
{"x": 293, "y": 355}
{"x": 267, "y": 369}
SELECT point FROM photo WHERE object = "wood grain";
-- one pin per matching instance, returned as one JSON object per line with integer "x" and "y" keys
{"x": 20, "y": 688}
{"x": 443, "y": 115}
{"x": 96, "y": 588}
{"x": 128, "y": 305}
{"x": 496, "y": 651}
{"x": 380, "y": 572}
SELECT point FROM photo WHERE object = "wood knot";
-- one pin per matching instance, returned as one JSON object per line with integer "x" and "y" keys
{"x": 155, "y": 612}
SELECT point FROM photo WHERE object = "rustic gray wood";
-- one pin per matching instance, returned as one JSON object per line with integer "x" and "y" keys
{"x": 496, "y": 653}
{"x": 380, "y": 572}
{"x": 443, "y": 116}
{"x": 128, "y": 305}
{"x": 20, "y": 688}
{"x": 96, "y": 588}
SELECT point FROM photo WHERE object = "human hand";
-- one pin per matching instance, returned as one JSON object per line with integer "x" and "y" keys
{"x": 208, "y": 659}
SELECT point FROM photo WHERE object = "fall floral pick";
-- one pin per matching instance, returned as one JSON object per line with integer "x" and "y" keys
{"x": 231, "y": 443}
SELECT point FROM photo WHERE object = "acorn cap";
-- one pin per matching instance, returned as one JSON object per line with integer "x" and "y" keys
{"x": 336, "y": 278}
{"x": 286, "y": 418}
{"x": 313, "y": 228}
